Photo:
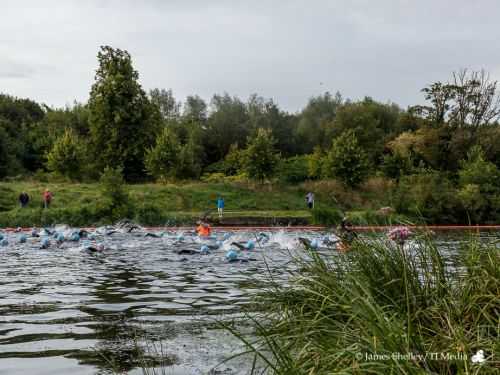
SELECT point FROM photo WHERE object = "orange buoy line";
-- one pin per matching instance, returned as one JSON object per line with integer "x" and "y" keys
{"x": 364, "y": 228}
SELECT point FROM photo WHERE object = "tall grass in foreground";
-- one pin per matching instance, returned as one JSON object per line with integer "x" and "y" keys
{"x": 384, "y": 309}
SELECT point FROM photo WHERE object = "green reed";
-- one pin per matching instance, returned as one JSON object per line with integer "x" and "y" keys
{"x": 383, "y": 308}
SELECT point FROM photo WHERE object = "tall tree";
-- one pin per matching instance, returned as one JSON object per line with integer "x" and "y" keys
{"x": 315, "y": 123}
{"x": 373, "y": 123}
{"x": 195, "y": 109}
{"x": 260, "y": 159}
{"x": 123, "y": 122}
{"x": 170, "y": 109}
{"x": 226, "y": 125}
{"x": 347, "y": 160}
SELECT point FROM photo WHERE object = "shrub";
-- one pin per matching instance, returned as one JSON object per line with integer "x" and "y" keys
{"x": 429, "y": 195}
{"x": 163, "y": 160}
{"x": 326, "y": 216}
{"x": 346, "y": 160}
{"x": 293, "y": 170}
{"x": 67, "y": 156}
{"x": 116, "y": 201}
{"x": 260, "y": 159}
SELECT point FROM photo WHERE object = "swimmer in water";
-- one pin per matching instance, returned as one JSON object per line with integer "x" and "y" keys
{"x": 203, "y": 229}
{"x": 346, "y": 235}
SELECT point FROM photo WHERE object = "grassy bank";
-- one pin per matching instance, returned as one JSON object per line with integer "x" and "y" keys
{"x": 177, "y": 204}
{"x": 383, "y": 309}
{"x": 152, "y": 204}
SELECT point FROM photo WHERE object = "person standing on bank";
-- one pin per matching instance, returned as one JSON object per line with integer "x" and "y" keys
{"x": 310, "y": 200}
{"x": 47, "y": 198}
{"x": 24, "y": 199}
{"x": 220, "y": 206}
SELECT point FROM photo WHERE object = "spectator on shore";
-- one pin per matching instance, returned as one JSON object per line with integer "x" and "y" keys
{"x": 220, "y": 206}
{"x": 310, "y": 200}
{"x": 24, "y": 199}
{"x": 47, "y": 198}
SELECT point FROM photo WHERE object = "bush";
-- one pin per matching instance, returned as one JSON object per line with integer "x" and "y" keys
{"x": 293, "y": 170}
{"x": 346, "y": 160}
{"x": 430, "y": 196}
{"x": 326, "y": 216}
{"x": 116, "y": 203}
{"x": 67, "y": 156}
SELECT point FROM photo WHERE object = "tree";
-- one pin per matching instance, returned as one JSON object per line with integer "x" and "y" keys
{"x": 67, "y": 155}
{"x": 478, "y": 182}
{"x": 233, "y": 160}
{"x": 195, "y": 109}
{"x": 4, "y": 153}
{"x": 123, "y": 122}
{"x": 260, "y": 158}
{"x": 227, "y": 124}
{"x": 162, "y": 160}
{"x": 470, "y": 100}
{"x": 189, "y": 160}
{"x": 476, "y": 170}
{"x": 266, "y": 114}
{"x": 373, "y": 123}
{"x": 167, "y": 105}
{"x": 315, "y": 122}
{"x": 315, "y": 163}
{"x": 346, "y": 160}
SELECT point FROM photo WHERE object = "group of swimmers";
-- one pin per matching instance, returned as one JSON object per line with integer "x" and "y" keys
{"x": 345, "y": 235}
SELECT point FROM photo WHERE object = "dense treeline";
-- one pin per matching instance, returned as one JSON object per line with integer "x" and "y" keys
{"x": 442, "y": 158}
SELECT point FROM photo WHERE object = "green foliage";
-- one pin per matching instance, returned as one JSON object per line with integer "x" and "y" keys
{"x": 327, "y": 216}
{"x": 162, "y": 161}
{"x": 479, "y": 186}
{"x": 122, "y": 120}
{"x": 373, "y": 124}
{"x": 342, "y": 315}
{"x": 260, "y": 158}
{"x": 476, "y": 170}
{"x": 67, "y": 156}
{"x": 396, "y": 165}
{"x": 315, "y": 126}
{"x": 233, "y": 161}
{"x": 293, "y": 170}
{"x": 316, "y": 163}
{"x": 190, "y": 160}
{"x": 346, "y": 160}
{"x": 431, "y": 196}
{"x": 4, "y": 153}
{"x": 116, "y": 199}
{"x": 166, "y": 104}
{"x": 226, "y": 126}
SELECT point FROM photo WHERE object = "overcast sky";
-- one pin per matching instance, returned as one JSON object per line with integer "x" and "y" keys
{"x": 288, "y": 50}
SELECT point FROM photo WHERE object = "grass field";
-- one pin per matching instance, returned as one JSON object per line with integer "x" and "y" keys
{"x": 154, "y": 204}
{"x": 176, "y": 204}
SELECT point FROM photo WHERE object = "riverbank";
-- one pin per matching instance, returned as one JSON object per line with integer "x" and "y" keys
{"x": 383, "y": 308}
{"x": 247, "y": 204}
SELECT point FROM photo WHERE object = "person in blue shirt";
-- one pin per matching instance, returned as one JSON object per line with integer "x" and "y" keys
{"x": 220, "y": 206}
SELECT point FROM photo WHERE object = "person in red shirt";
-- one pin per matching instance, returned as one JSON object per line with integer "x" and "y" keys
{"x": 47, "y": 198}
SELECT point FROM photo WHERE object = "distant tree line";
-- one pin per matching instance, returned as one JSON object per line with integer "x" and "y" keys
{"x": 452, "y": 141}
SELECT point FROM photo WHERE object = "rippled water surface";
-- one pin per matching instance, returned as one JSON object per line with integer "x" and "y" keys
{"x": 65, "y": 310}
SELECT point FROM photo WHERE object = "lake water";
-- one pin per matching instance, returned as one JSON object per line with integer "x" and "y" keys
{"x": 65, "y": 310}
{"x": 68, "y": 311}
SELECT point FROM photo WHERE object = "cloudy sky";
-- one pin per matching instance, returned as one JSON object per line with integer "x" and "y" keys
{"x": 288, "y": 50}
